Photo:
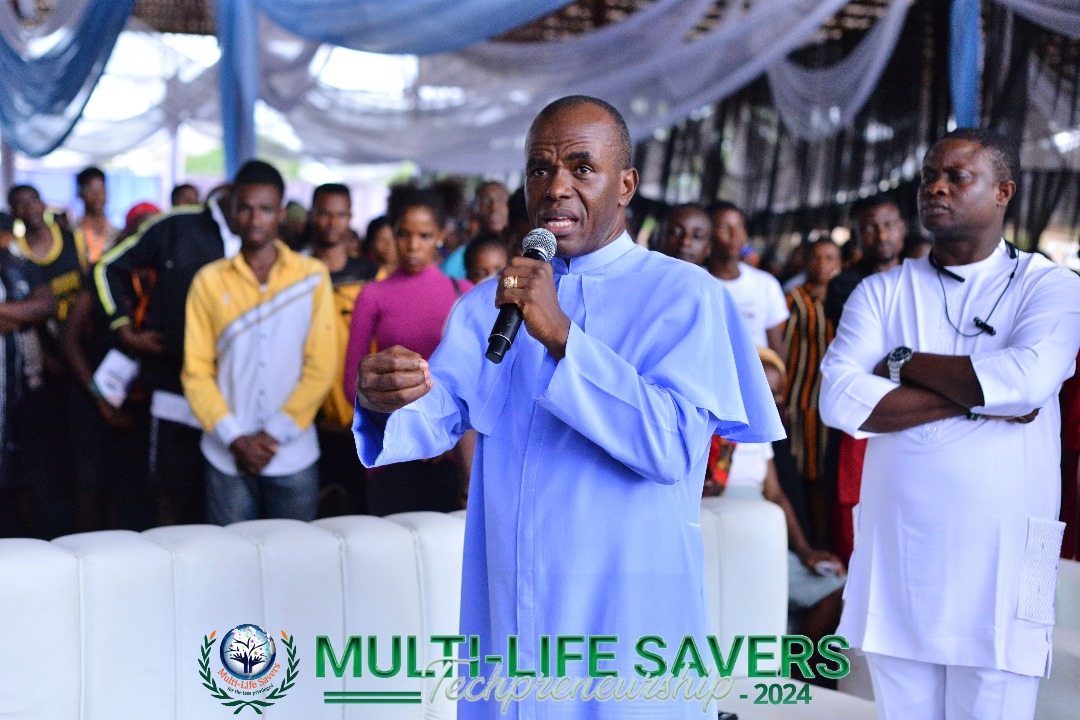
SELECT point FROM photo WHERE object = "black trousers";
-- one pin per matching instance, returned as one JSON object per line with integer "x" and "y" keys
{"x": 176, "y": 473}
{"x": 415, "y": 485}
{"x": 342, "y": 478}
{"x": 111, "y": 487}
{"x": 45, "y": 466}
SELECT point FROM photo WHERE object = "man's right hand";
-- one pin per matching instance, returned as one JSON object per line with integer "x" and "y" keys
{"x": 253, "y": 452}
{"x": 1021, "y": 419}
{"x": 140, "y": 342}
{"x": 391, "y": 379}
{"x": 113, "y": 417}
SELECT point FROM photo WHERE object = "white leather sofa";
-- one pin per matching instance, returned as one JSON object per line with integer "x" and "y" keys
{"x": 110, "y": 625}
{"x": 746, "y": 584}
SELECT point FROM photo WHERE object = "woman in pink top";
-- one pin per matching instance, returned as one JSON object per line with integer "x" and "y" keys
{"x": 408, "y": 308}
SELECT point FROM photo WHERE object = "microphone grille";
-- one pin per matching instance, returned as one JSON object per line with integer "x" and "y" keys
{"x": 541, "y": 240}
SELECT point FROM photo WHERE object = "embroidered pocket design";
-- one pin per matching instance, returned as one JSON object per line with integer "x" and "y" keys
{"x": 1038, "y": 570}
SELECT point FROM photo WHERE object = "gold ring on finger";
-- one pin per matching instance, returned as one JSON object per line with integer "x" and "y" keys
{"x": 510, "y": 281}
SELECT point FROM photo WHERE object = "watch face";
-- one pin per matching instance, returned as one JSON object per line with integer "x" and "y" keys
{"x": 899, "y": 354}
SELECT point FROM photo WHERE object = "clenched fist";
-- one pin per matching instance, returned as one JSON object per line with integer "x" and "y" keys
{"x": 391, "y": 379}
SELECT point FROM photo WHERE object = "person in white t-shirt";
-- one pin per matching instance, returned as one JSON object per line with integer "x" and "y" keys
{"x": 951, "y": 365}
{"x": 757, "y": 294}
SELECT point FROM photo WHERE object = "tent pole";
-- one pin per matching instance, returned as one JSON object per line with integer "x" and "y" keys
{"x": 172, "y": 178}
{"x": 7, "y": 167}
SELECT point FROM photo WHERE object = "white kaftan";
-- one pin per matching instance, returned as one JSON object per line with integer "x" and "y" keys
{"x": 956, "y": 534}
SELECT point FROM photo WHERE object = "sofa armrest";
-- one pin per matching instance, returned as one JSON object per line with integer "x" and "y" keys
{"x": 1068, "y": 595}
{"x": 745, "y": 570}
{"x": 1059, "y": 695}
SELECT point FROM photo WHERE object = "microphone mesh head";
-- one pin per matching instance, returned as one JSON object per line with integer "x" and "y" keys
{"x": 541, "y": 240}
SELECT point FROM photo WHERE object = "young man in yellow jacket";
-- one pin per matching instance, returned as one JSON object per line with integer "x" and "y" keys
{"x": 260, "y": 355}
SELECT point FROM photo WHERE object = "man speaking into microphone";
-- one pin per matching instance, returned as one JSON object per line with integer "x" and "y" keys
{"x": 593, "y": 430}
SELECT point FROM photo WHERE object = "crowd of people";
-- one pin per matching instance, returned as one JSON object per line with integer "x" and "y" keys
{"x": 76, "y": 459}
{"x": 193, "y": 366}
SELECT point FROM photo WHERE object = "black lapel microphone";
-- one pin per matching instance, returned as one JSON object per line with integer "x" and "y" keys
{"x": 539, "y": 244}
{"x": 984, "y": 326}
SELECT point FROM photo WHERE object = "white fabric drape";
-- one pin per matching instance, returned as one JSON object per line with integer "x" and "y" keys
{"x": 468, "y": 111}
{"x": 1061, "y": 16}
{"x": 644, "y": 65}
{"x": 183, "y": 93}
{"x": 1053, "y": 100}
{"x": 816, "y": 104}
{"x": 1052, "y": 132}
{"x": 405, "y": 26}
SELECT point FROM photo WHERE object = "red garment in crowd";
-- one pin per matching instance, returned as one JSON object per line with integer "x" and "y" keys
{"x": 1070, "y": 458}
{"x": 849, "y": 472}
{"x": 719, "y": 465}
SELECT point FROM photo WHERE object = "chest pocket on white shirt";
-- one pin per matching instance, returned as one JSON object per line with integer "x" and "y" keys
{"x": 1039, "y": 569}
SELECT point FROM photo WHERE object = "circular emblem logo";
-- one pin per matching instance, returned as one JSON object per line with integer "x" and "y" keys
{"x": 248, "y": 668}
{"x": 247, "y": 652}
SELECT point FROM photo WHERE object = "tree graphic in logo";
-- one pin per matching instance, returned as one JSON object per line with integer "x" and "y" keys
{"x": 248, "y": 652}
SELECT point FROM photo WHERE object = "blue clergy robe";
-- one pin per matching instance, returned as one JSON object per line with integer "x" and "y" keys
{"x": 586, "y": 484}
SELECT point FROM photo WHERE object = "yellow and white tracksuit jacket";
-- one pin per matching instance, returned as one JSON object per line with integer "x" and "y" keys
{"x": 260, "y": 358}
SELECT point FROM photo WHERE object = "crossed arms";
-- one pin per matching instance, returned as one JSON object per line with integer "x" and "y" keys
{"x": 1009, "y": 383}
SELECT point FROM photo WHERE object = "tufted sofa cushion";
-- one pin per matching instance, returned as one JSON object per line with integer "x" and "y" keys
{"x": 109, "y": 625}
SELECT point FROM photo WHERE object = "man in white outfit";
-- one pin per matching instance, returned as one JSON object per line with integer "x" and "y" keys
{"x": 951, "y": 364}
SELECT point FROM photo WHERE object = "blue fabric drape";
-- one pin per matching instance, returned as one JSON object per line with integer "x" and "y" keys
{"x": 238, "y": 77}
{"x": 965, "y": 52}
{"x": 419, "y": 27}
{"x": 41, "y": 98}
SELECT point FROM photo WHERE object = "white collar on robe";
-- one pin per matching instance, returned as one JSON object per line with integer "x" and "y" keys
{"x": 596, "y": 259}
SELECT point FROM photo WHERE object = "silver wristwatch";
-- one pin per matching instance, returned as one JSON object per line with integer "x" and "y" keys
{"x": 896, "y": 360}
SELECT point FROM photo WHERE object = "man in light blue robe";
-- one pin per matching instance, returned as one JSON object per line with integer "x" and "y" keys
{"x": 593, "y": 432}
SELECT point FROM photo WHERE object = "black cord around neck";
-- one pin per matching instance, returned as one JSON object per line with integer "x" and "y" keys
{"x": 984, "y": 326}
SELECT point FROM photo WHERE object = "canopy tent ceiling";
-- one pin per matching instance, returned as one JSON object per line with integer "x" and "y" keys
{"x": 469, "y": 109}
{"x": 779, "y": 115}
{"x": 196, "y": 17}
{"x": 740, "y": 149}
{"x": 658, "y": 60}
{"x": 812, "y": 104}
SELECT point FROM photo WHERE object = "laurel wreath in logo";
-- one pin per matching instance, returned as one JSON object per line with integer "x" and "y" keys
{"x": 228, "y": 700}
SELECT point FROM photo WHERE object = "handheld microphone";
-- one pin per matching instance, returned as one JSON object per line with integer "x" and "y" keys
{"x": 539, "y": 244}
{"x": 985, "y": 326}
